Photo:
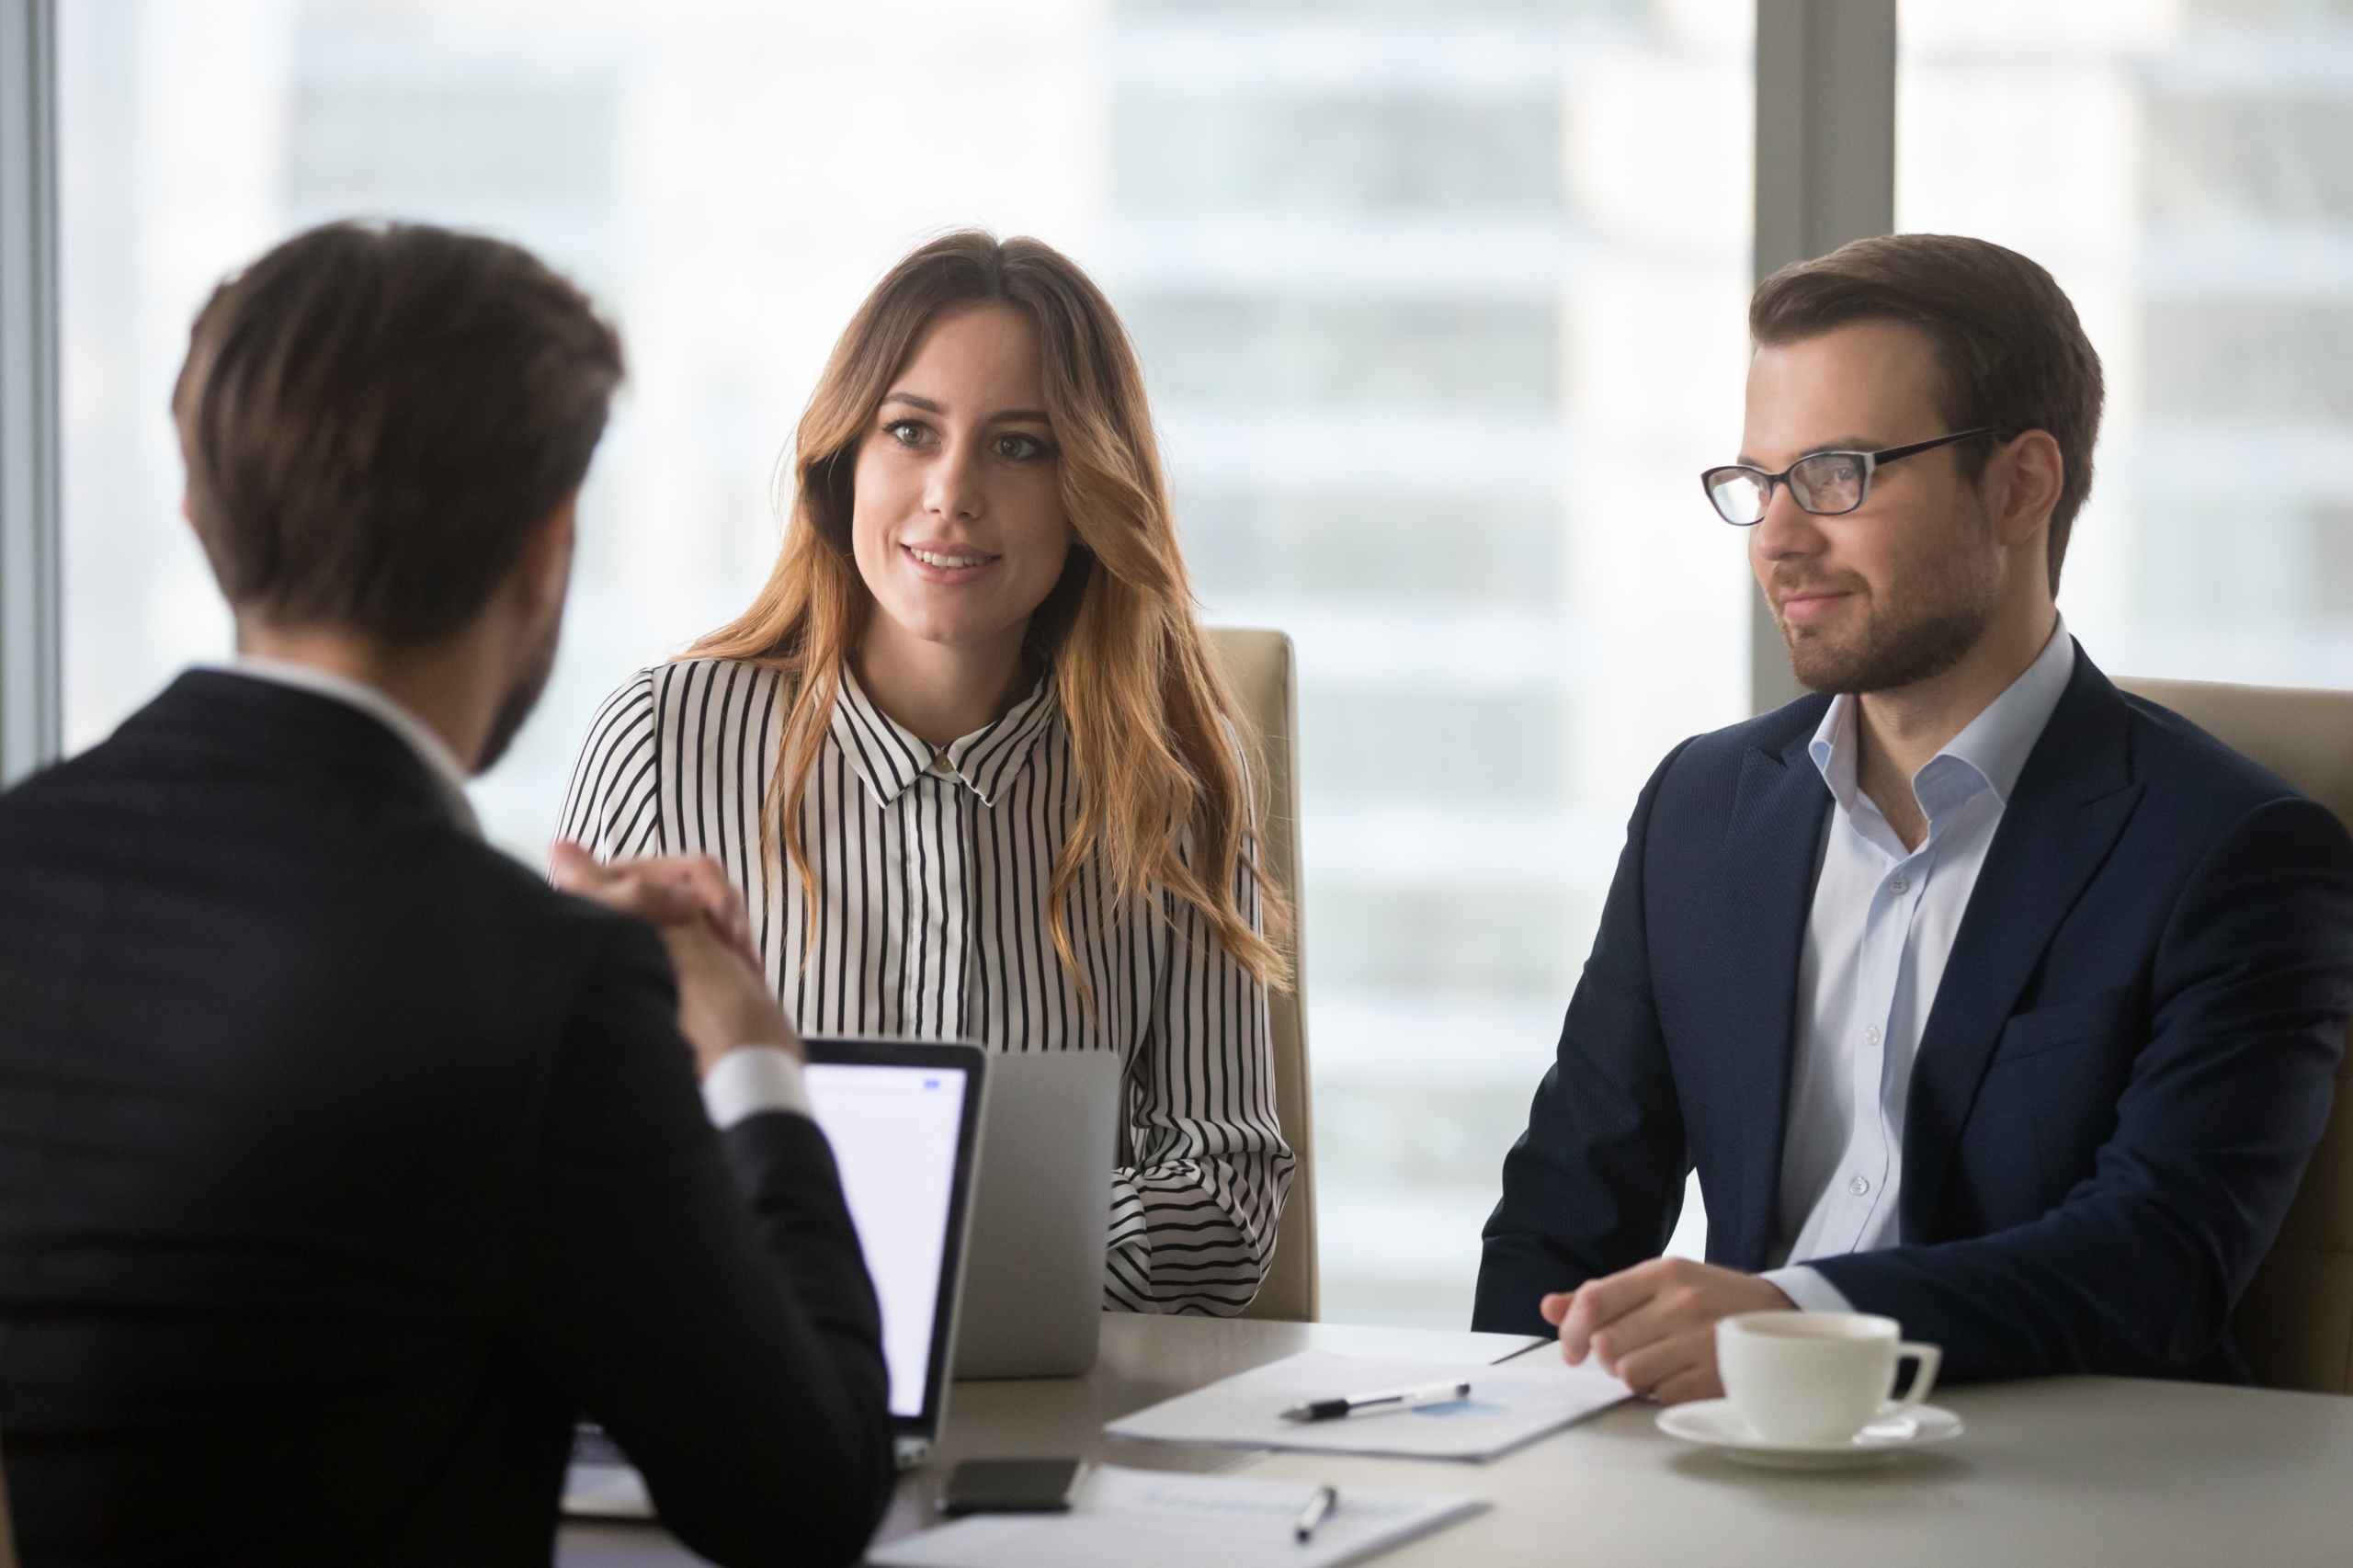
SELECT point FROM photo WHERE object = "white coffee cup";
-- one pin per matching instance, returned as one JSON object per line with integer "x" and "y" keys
{"x": 1817, "y": 1377}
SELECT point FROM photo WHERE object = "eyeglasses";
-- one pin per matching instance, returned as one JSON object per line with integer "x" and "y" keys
{"x": 1827, "y": 484}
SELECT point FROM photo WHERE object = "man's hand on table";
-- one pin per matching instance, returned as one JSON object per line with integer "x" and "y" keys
{"x": 722, "y": 1001}
{"x": 1652, "y": 1326}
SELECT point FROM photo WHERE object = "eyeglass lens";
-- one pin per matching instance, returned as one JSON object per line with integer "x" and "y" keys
{"x": 1825, "y": 485}
{"x": 1828, "y": 484}
{"x": 1739, "y": 494}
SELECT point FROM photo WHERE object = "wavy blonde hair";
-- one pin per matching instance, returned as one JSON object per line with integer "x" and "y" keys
{"x": 1153, "y": 726}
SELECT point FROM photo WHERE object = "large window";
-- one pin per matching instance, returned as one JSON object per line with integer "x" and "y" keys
{"x": 1440, "y": 306}
{"x": 1437, "y": 354}
{"x": 2183, "y": 169}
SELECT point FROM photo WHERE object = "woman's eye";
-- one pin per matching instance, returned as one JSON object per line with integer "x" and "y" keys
{"x": 906, "y": 432}
{"x": 1018, "y": 447}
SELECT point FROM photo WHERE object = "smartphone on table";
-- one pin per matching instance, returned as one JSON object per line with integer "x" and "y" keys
{"x": 1012, "y": 1486}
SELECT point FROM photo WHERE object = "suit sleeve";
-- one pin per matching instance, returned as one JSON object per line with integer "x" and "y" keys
{"x": 1596, "y": 1183}
{"x": 703, "y": 1298}
{"x": 2138, "y": 1270}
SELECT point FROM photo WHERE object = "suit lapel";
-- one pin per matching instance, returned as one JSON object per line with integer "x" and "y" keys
{"x": 1770, "y": 850}
{"x": 2071, "y": 801}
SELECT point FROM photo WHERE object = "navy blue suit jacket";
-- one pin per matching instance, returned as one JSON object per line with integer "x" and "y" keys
{"x": 2126, "y": 1067}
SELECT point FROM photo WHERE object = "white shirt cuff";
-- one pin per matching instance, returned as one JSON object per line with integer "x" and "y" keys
{"x": 1804, "y": 1286}
{"x": 751, "y": 1079}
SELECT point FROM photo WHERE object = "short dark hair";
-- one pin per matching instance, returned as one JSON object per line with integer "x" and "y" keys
{"x": 375, "y": 415}
{"x": 2009, "y": 350}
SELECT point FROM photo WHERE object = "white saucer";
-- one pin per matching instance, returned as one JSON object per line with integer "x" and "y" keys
{"x": 1714, "y": 1423}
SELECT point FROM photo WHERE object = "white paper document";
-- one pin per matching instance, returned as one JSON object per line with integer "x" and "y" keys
{"x": 1141, "y": 1518}
{"x": 1514, "y": 1403}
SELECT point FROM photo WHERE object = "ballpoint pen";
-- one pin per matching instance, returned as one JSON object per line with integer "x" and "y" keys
{"x": 1327, "y": 1498}
{"x": 1385, "y": 1399}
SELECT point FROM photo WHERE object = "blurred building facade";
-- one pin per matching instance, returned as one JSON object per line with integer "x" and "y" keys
{"x": 2182, "y": 167}
{"x": 1440, "y": 306}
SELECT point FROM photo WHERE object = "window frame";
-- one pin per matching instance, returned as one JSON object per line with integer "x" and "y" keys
{"x": 31, "y": 684}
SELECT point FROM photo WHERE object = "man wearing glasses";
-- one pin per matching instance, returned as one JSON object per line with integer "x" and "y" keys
{"x": 1980, "y": 994}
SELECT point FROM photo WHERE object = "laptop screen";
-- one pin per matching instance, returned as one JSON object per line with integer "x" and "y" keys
{"x": 901, "y": 1119}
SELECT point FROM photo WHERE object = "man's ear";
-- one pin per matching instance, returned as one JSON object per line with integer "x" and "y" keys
{"x": 2034, "y": 473}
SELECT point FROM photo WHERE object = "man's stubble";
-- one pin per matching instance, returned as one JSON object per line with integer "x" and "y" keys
{"x": 1923, "y": 629}
{"x": 521, "y": 698}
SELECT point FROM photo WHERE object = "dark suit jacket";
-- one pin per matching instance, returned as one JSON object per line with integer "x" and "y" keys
{"x": 343, "y": 1162}
{"x": 2125, "y": 1069}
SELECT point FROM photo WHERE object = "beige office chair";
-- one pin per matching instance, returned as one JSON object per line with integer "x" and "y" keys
{"x": 1258, "y": 668}
{"x": 2296, "y": 1322}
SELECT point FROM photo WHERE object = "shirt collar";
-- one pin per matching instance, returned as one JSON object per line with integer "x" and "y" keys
{"x": 887, "y": 756}
{"x": 447, "y": 773}
{"x": 1998, "y": 741}
{"x": 1989, "y": 753}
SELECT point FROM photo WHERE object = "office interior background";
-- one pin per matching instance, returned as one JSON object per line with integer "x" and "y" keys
{"x": 1440, "y": 302}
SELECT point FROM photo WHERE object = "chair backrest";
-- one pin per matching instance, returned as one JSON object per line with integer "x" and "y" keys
{"x": 1258, "y": 666}
{"x": 2296, "y": 1321}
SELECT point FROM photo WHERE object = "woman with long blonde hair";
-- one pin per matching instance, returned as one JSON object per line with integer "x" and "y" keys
{"x": 968, "y": 756}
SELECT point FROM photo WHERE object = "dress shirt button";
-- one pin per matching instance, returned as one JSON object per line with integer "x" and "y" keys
{"x": 1898, "y": 885}
{"x": 940, "y": 764}
{"x": 1858, "y": 1187}
{"x": 1871, "y": 1034}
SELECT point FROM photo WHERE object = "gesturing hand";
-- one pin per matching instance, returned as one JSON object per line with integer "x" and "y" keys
{"x": 664, "y": 890}
{"x": 722, "y": 1001}
{"x": 1652, "y": 1326}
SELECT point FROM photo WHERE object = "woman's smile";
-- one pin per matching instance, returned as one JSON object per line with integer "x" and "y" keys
{"x": 939, "y": 563}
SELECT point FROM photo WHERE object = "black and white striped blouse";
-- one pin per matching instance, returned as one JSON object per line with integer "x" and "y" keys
{"x": 932, "y": 876}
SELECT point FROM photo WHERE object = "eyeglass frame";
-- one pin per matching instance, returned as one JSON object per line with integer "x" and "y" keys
{"x": 1870, "y": 462}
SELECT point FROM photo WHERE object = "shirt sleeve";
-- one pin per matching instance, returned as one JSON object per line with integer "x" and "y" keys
{"x": 612, "y": 808}
{"x": 1808, "y": 1289}
{"x": 751, "y": 1079}
{"x": 1193, "y": 1221}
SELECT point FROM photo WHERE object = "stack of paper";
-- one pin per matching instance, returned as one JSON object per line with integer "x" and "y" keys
{"x": 1139, "y": 1518}
{"x": 1514, "y": 1403}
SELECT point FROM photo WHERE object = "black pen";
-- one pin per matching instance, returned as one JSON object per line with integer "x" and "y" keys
{"x": 1327, "y": 1498}
{"x": 1333, "y": 1409}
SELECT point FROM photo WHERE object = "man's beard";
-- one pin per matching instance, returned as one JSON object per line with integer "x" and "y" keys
{"x": 1944, "y": 620}
{"x": 521, "y": 698}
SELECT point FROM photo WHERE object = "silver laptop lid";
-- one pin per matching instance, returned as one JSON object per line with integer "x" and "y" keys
{"x": 1041, "y": 1216}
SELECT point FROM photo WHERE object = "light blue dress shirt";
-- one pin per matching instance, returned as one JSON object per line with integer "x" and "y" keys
{"x": 1882, "y": 928}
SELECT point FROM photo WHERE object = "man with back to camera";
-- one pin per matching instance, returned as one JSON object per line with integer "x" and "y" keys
{"x": 1981, "y": 995}
{"x": 342, "y": 1161}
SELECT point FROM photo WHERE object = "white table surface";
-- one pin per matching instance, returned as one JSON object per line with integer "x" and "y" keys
{"x": 2080, "y": 1471}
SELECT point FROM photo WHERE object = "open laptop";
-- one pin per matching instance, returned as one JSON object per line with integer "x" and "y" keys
{"x": 903, "y": 1119}
{"x": 1041, "y": 1216}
